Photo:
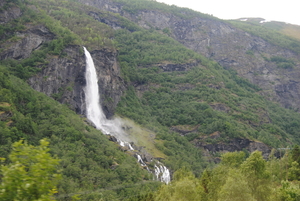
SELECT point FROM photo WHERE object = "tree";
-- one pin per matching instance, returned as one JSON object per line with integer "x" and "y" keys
{"x": 233, "y": 159}
{"x": 259, "y": 180}
{"x": 296, "y": 154}
{"x": 184, "y": 187}
{"x": 289, "y": 191}
{"x": 294, "y": 171}
{"x": 31, "y": 175}
{"x": 236, "y": 188}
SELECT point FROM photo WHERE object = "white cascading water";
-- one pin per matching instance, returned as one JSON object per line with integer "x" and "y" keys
{"x": 94, "y": 111}
{"x": 113, "y": 127}
{"x": 162, "y": 173}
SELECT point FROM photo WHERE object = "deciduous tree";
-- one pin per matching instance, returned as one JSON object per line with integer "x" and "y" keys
{"x": 31, "y": 175}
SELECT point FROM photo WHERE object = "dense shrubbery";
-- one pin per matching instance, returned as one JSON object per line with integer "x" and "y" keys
{"x": 31, "y": 175}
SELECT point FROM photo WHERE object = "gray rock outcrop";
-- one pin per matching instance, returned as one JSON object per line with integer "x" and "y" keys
{"x": 28, "y": 41}
{"x": 64, "y": 79}
{"x": 9, "y": 13}
{"x": 235, "y": 144}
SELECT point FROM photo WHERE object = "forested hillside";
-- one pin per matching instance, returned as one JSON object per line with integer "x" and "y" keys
{"x": 189, "y": 104}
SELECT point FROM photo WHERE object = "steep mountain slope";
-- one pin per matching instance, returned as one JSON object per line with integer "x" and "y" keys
{"x": 250, "y": 54}
{"x": 169, "y": 69}
{"x": 263, "y": 62}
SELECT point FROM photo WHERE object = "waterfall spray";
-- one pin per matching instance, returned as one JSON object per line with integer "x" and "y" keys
{"x": 113, "y": 127}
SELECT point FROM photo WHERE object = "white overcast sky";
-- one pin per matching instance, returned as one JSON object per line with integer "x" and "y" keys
{"x": 277, "y": 10}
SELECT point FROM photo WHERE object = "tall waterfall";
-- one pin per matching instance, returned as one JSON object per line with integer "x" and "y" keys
{"x": 94, "y": 110}
{"x": 113, "y": 127}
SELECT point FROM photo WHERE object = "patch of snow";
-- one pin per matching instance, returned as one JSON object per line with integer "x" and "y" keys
{"x": 264, "y": 21}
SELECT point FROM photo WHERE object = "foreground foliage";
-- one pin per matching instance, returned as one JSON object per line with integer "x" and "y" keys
{"x": 30, "y": 175}
{"x": 237, "y": 178}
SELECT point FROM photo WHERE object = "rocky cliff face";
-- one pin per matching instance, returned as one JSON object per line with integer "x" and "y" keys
{"x": 8, "y": 14}
{"x": 64, "y": 79}
{"x": 235, "y": 144}
{"x": 233, "y": 48}
{"x": 29, "y": 40}
{"x": 111, "y": 85}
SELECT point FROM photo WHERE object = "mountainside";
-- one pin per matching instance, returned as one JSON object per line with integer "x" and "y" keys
{"x": 261, "y": 60}
{"x": 287, "y": 29}
{"x": 187, "y": 87}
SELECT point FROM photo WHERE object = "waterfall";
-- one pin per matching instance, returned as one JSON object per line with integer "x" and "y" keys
{"x": 94, "y": 110}
{"x": 162, "y": 173}
{"x": 113, "y": 127}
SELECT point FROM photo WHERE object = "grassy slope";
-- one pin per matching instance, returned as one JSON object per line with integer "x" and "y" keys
{"x": 278, "y": 33}
{"x": 290, "y": 30}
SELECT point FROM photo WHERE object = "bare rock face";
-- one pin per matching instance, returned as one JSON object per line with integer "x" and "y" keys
{"x": 10, "y": 13}
{"x": 29, "y": 40}
{"x": 104, "y": 5}
{"x": 64, "y": 79}
{"x": 111, "y": 85}
{"x": 235, "y": 144}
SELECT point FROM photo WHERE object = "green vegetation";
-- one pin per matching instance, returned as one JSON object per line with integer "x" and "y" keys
{"x": 238, "y": 178}
{"x": 72, "y": 15}
{"x": 271, "y": 35}
{"x": 283, "y": 62}
{"x": 287, "y": 29}
{"x": 63, "y": 37}
{"x": 31, "y": 175}
{"x": 89, "y": 161}
{"x": 133, "y": 6}
{"x": 141, "y": 53}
